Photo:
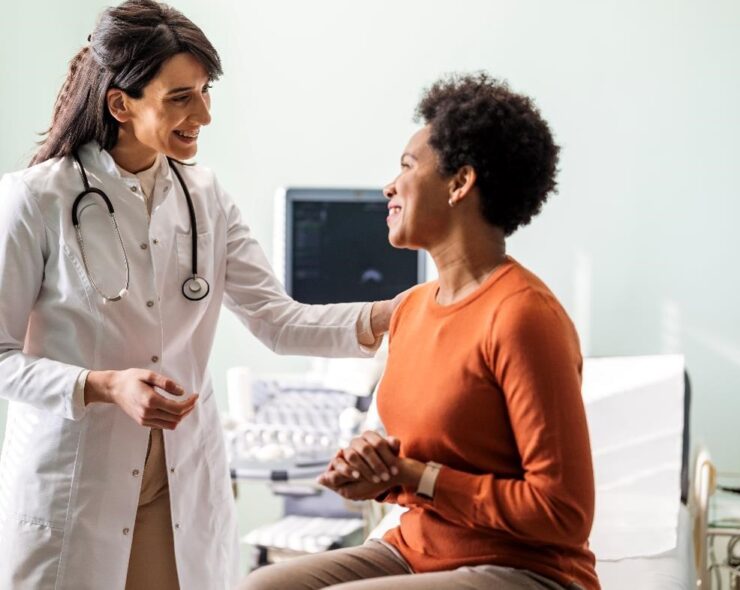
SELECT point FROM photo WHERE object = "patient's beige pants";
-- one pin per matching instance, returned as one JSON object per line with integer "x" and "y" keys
{"x": 152, "y": 562}
{"x": 377, "y": 566}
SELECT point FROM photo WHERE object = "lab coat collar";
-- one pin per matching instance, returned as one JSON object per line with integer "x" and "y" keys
{"x": 97, "y": 160}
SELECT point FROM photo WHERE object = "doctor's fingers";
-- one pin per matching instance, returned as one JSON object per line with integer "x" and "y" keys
{"x": 157, "y": 380}
{"x": 172, "y": 407}
{"x": 159, "y": 424}
{"x": 160, "y": 419}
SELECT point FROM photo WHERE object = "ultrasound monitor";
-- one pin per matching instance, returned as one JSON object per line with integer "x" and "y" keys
{"x": 332, "y": 246}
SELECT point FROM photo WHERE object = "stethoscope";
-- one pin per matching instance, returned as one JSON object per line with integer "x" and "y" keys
{"x": 194, "y": 288}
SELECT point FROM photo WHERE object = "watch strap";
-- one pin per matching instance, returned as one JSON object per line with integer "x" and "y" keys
{"x": 425, "y": 489}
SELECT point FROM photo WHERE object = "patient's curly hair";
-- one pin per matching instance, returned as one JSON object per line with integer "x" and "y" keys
{"x": 478, "y": 121}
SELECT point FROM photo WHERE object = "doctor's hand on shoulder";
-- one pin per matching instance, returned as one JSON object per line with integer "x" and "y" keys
{"x": 382, "y": 311}
{"x": 133, "y": 391}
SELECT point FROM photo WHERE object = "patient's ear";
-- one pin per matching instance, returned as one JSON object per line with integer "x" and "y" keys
{"x": 462, "y": 183}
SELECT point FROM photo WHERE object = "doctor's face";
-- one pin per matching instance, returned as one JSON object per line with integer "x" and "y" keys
{"x": 174, "y": 106}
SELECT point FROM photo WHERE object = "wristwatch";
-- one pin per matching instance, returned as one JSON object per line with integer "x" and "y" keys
{"x": 425, "y": 489}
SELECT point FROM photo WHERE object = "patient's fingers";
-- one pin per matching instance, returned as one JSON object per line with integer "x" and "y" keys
{"x": 331, "y": 479}
{"x": 386, "y": 448}
{"x": 378, "y": 454}
{"x": 361, "y": 468}
{"x": 372, "y": 456}
{"x": 395, "y": 444}
{"x": 344, "y": 468}
{"x": 334, "y": 478}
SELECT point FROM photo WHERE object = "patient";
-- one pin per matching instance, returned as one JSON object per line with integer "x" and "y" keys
{"x": 488, "y": 446}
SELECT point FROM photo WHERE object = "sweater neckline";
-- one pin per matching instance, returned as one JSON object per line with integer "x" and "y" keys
{"x": 496, "y": 273}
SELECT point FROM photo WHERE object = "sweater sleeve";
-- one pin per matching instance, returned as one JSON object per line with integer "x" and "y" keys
{"x": 535, "y": 358}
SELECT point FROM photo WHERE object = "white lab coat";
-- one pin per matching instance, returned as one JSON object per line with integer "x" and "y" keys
{"x": 69, "y": 474}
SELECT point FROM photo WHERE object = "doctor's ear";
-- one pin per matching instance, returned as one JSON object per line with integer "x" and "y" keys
{"x": 118, "y": 104}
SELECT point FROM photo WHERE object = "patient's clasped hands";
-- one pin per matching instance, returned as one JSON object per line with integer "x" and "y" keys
{"x": 370, "y": 466}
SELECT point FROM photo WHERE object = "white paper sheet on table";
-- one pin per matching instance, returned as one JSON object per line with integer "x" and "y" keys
{"x": 634, "y": 407}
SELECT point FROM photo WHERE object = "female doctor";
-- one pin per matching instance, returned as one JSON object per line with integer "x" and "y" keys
{"x": 115, "y": 259}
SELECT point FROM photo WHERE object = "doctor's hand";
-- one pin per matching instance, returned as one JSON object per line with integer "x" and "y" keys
{"x": 380, "y": 315}
{"x": 133, "y": 391}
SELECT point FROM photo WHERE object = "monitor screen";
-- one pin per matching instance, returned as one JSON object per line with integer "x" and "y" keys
{"x": 337, "y": 250}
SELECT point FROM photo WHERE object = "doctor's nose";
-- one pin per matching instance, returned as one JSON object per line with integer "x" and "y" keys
{"x": 202, "y": 111}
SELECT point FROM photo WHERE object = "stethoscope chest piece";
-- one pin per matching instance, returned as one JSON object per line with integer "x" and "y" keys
{"x": 195, "y": 288}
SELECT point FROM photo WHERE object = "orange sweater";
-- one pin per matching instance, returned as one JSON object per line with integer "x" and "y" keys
{"x": 490, "y": 387}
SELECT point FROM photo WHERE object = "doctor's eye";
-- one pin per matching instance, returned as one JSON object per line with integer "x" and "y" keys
{"x": 207, "y": 88}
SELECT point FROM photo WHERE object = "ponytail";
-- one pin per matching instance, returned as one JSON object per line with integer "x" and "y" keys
{"x": 64, "y": 94}
{"x": 71, "y": 125}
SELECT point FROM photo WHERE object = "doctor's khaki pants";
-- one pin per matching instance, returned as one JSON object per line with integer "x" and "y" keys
{"x": 152, "y": 562}
{"x": 378, "y": 566}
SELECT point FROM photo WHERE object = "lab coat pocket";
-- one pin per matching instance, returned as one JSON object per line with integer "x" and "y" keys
{"x": 205, "y": 258}
{"x": 29, "y": 555}
{"x": 38, "y": 466}
{"x": 73, "y": 275}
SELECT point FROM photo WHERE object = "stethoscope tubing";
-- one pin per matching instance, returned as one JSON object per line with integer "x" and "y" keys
{"x": 193, "y": 221}
{"x": 194, "y": 288}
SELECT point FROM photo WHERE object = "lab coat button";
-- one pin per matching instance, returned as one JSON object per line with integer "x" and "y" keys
{"x": 172, "y": 470}
{"x": 155, "y": 359}
{"x": 125, "y": 531}
{"x": 143, "y": 246}
{"x": 177, "y": 525}
{"x": 156, "y": 241}
{"x": 134, "y": 189}
{"x": 150, "y": 303}
{"x": 135, "y": 472}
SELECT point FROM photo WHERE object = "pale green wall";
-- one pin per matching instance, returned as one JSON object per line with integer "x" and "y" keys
{"x": 640, "y": 244}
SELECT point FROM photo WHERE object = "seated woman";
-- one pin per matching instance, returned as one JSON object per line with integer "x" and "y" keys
{"x": 488, "y": 445}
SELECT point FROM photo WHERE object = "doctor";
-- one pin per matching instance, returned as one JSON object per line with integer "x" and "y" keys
{"x": 115, "y": 259}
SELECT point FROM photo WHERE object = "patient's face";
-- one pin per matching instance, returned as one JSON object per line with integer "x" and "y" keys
{"x": 418, "y": 210}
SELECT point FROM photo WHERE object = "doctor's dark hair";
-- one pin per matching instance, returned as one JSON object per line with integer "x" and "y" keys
{"x": 478, "y": 121}
{"x": 127, "y": 49}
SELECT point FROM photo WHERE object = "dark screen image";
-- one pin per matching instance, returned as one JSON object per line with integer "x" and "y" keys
{"x": 340, "y": 252}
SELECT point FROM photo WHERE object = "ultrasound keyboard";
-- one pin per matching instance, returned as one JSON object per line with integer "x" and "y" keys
{"x": 294, "y": 433}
